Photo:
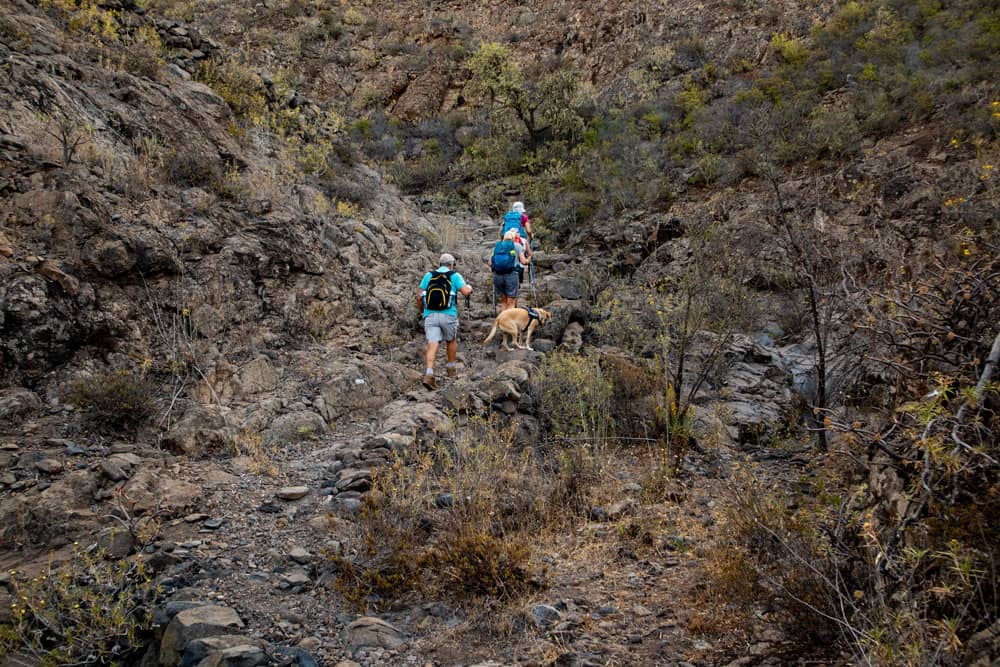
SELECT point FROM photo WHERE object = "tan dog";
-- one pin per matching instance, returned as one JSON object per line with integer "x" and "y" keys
{"x": 513, "y": 322}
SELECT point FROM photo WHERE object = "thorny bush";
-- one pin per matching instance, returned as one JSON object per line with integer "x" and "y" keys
{"x": 88, "y": 611}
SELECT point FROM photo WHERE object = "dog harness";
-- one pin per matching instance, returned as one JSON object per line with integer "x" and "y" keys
{"x": 532, "y": 315}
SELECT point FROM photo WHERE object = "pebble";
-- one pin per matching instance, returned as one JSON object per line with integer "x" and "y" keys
{"x": 640, "y": 610}
{"x": 299, "y": 555}
{"x": 213, "y": 524}
{"x": 194, "y": 518}
{"x": 293, "y": 492}
{"x": 49, "y": 466}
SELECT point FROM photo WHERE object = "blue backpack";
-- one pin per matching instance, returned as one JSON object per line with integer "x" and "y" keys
{"x": 512, "y": 220}
{"x": 504, "y": 257}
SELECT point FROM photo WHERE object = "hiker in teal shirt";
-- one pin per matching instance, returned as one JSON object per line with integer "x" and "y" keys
{"x": 439, "y": 290}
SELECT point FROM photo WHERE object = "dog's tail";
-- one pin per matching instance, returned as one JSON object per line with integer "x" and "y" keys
{"x": 493, "y": 332}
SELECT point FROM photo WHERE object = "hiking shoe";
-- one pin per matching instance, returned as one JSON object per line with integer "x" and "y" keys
{"x": 430, "y": 382}
{"x": 452, "y": 372}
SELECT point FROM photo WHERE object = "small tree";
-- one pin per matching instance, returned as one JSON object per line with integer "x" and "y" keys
{"x": 702, "y": 308}
{"x": 540, "y": 106}
{"x": 67, "y": 130}
{"x": 812, "y": 254}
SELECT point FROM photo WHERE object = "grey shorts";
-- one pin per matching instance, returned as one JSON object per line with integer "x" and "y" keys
{"x": 440, "y": 326}
{"x": 506, "y": 284}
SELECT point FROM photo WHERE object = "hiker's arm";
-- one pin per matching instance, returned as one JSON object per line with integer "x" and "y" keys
{"x": 420, "y": 299}
{"x": 466, "y": 290}
{"x": 526, "y": 223}
{"x": 522, "y": 256}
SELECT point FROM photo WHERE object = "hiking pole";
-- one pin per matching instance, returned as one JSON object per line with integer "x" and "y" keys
{"x": 531, "y": 271}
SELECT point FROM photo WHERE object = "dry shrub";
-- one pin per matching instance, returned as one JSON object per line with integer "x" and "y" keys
{"x": 634, "y": 389}
{"x": 574, "y": 399}
{"x": 459, "y": 523}
{"x": 774, "y": 549}
{"x": 191, "y": 169}
{"x": 113, "y": 401}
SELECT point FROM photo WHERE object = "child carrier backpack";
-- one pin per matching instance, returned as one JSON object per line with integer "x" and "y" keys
{"x": 512, "y": 220}
{"x": 504, "y": 257}
{"x": 439, "y": 292}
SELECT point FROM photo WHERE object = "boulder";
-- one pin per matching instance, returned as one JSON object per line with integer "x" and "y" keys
{"x": 257, "y": 376}
{"x": 292, "y": 492}
{"x": 192, "y": 624}
{"x": 572, "y": 340}
{"x": 62, "y": 508}
{"x": 117, "y": 543}
{"x": 200, "y": 431}
{"x": 361, "y": 387}
{"x": 294, "y": 427}
{"x": 150, "y": 489}
{"x": 119, "y": 467}
{"x": 226, "y": 651}
{"x": 373, "y": 632}
{"x": 563, "y": 312}
{"x": 110, "y": 257}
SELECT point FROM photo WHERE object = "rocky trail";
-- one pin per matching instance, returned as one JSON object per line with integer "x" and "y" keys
{"x": 246, "y": 541}
{"x": 260, "y": 543}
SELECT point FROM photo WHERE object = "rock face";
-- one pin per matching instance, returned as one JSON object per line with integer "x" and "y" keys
{"x": 36, "y": 517}
{"x": 40, "y": 325}
{"x": 15, "y": 404}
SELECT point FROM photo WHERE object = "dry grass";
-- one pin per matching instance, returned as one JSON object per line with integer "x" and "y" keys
{"x": 464, "y": 521}
{"x": 261, "y": 457}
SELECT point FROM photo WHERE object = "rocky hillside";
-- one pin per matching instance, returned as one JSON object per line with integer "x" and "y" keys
{"x": 759, "y": 428}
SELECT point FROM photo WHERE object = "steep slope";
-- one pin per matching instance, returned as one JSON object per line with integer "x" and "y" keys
{"x": 210, "y": 355}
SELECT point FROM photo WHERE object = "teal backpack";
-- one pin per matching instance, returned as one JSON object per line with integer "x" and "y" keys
{"x": 504, "y": 257}
{"x": 512, "y": 220}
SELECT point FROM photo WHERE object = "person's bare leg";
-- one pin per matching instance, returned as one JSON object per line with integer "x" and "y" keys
{"x": 429, "y": 355}
{"x": 451, "y": 348}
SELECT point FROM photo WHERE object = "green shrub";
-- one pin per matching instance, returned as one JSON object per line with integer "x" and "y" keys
{"x": 789, "y": 49}
{"x": 239, "y": 85}
{"x": 113, "y": 401}
{"x": 833, "y": 131}
{"x": 574, "y": 399}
